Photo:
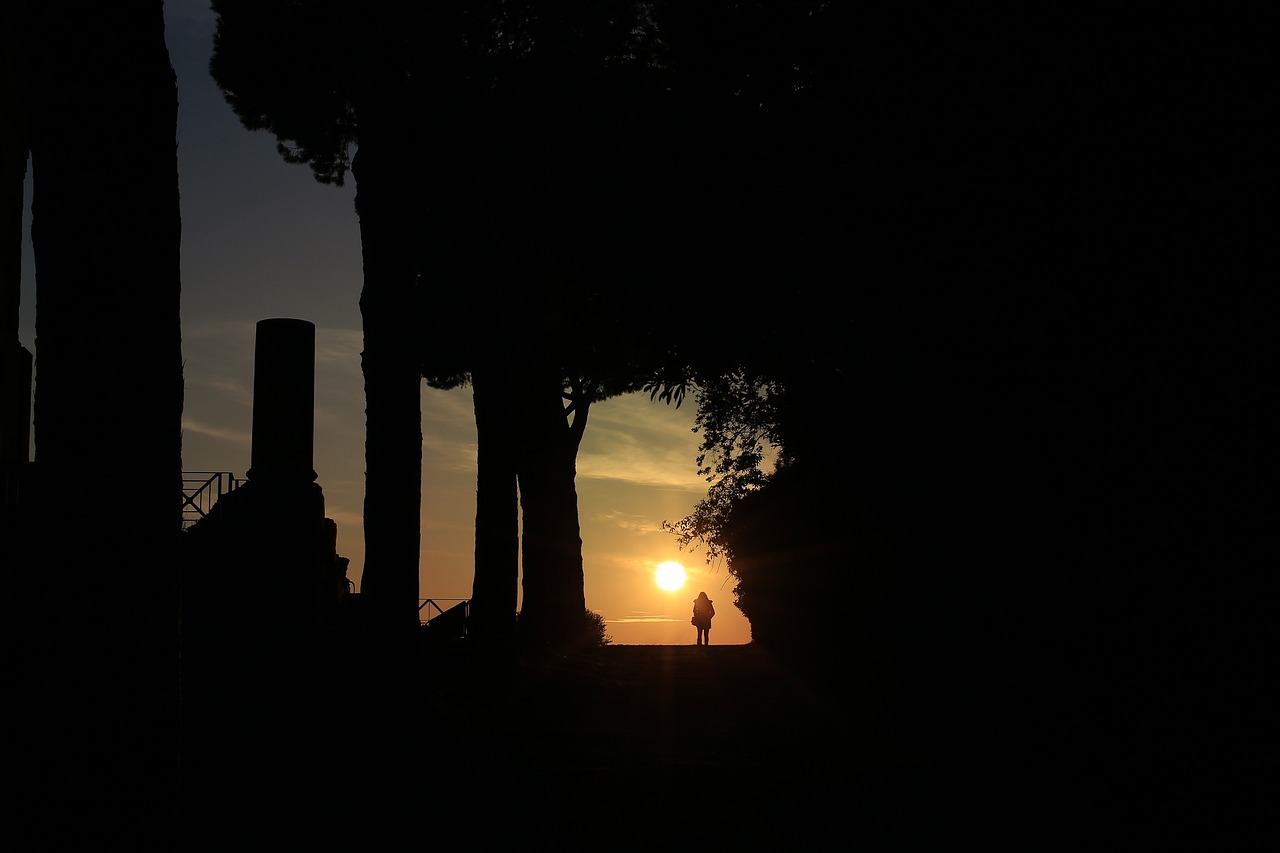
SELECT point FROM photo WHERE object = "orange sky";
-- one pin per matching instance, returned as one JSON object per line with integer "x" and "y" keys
{"x": 636, "y": 468}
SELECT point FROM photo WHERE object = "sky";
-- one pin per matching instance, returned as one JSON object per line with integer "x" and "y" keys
{"x": 261, "y": 239}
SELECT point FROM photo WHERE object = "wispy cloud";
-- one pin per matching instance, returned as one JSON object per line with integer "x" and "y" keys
{"x": 341, "y": 390}
{"x": 241, "y": 330}
{"x": 346, "y": 520}
{"x": 628, "y": 441}
{"x": 339, "y": 348}
{"x": 239, "y": 392}
{"x": 451, "y": 407}
{"x": 449, "y": 429}
{"x": 639, "y": 617}
{"x": 218, "y": 364}
{"x": 630, "y": 522}
{"x": 631, "y": 440}
{"x": 644, "y": 618}
{"x": 449, "y": 452}
{"x": 239, "y": 437}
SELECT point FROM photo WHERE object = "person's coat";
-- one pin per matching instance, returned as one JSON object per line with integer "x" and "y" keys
{"x": 703, "y": 610}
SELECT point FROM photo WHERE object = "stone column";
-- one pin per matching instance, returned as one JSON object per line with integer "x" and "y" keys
{"x": 284, "y": 369}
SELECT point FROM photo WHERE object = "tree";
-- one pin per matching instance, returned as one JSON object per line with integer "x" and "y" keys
{"x": 99, "y": 105}
{"x": 769, "y": 426}
{"x": 545, "y": 182}
{"x": 531, "y": 413}
{"x": 578, "y": 365}
{"x": 764, "y": 93}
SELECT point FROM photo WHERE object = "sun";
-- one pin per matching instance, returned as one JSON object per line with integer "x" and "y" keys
{"x": 670, "y": 576}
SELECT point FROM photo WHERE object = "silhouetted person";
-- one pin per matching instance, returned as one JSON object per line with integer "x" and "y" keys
{"x": 703, "y": 610}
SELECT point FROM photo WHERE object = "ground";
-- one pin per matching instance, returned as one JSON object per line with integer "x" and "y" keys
{"x": 598, "y": 741}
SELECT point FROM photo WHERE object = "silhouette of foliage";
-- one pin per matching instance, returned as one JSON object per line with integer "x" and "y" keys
{"x": 281, "y": 68}
{"x": 597, "y": 631}
{"x": 588, "y": 632}
{"x": 773, "y": 505}
{"x": 737, "y": 416}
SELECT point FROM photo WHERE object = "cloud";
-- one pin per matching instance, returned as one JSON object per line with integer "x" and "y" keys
{"x": 339, "y": 347}
{"x": 242, "y": 330}
{"x": 239, "y": 437}
{"x": 643, "y": 618}
{"x": 631, "y": 440}
{"x": 218, "y": 357}
{"x": 240, "y": 392}
{"x": 629, "y": 522}
{"x": 449, "y": 429}
{"x": 449, "y": 453}
{"x": 627, "y": 463}
{"x": 346, "y": 519}
{"x": 628, "y": 440}
{"x": 452, "y": 407}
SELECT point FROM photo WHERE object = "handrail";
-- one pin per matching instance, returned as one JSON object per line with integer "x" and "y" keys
{"x": 432, "y": 602}
{"x": 426, "y": 603}
{"x": 201, "y": 491}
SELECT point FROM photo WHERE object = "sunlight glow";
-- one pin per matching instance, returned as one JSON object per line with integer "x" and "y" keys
{"x": 670, "y": 576}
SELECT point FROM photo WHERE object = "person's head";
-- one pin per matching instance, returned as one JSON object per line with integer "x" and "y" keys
{"x": 702, "y": 596}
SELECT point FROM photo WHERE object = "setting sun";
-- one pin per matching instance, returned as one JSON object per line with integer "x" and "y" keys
{"x": 670, "y": 576}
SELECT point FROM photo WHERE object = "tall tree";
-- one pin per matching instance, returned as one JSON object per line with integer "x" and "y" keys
{"x": 576, "y": 349}
{"x": 550, "y": 129}
{"x": 15, "y": 359}
{"x": 99, "y": 586}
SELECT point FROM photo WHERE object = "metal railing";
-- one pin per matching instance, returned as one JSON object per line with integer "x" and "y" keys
{"x": 201, "y": 491}
{"x": 430, "y": 604}
{"x": 451, "y": 619}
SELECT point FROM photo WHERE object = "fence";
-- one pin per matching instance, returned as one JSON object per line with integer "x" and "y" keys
{"x": 201, "y": 491}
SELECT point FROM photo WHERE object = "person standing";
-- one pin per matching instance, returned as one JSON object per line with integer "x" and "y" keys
{"x": 703, "y": 610}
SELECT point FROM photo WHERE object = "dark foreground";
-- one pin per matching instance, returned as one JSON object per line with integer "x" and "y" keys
{"x": 629, "y": 747}
{"x": 637, "y": 748}
{"x": 641, "y": 745}
{"x": 628, "y": 709}
{"x": 644, "y": 747}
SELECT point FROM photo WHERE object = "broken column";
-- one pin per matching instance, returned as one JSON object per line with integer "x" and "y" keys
{"x": 267, "y": 545}
{"x": 261, "y": 589}
{"x": 284, "y": 368}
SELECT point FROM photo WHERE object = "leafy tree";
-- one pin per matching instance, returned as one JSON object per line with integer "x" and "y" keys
{"x": 768, "y": 88}
{"x": 774, "y": 508}
{"x": 530, "y": 417}
{"x": 543, "y": 155}
{"x": 554, "y": 402}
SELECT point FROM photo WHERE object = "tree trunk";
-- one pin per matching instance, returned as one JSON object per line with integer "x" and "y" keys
{"x": 554, "y": 603}
{"x": 495, "y": 589}
{"x": 15, "y": 360}
{"x": 386, "y": 201}
{"x": 100, "y": 591}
